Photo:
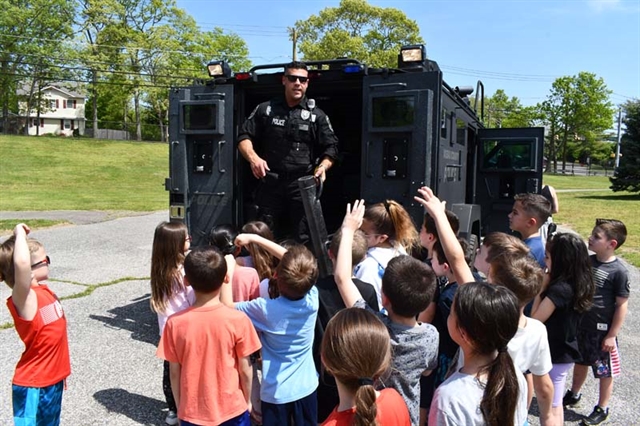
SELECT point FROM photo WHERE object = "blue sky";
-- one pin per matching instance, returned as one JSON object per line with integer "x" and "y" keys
{"x": 517, "y": 46}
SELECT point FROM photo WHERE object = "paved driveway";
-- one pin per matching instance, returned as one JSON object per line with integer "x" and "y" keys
{"x": 116, "y": 378}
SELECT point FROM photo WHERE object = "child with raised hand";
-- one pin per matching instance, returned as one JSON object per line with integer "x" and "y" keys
{"x": 40, "y": 322}
{"x": 208, "y": 346}
{"x": 245, "y": 283}
{"x": 286, "y": 324}
{"x": 407, "y": 288}
{"x": 487, "y": 389}
{"x": 357, "y": 352}
{"x": 169, "y": 293}
{"x": 567, "y": 292}
{"x": 599, "y": 327}
{"x": 452, "y": 248}
{"x": 390, "y": 232}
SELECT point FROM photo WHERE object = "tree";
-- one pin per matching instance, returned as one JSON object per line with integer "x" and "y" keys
{"x": 577, "y": 109}
{"x": 500, "y": 111}
{"x": 357, "y": 30}
{"x": 627, "y": 176}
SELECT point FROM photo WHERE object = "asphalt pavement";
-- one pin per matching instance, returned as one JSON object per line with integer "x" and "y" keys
{"x": 116, "y": 378}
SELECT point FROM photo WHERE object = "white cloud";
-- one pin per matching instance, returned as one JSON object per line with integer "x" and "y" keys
{"x": 602, "y": 5}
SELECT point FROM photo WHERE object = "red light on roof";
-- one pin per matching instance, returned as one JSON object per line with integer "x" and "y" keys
{"x": 243, "y": 76}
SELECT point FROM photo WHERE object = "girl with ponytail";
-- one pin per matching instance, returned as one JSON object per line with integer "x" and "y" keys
{"x": 487, "y": 390}
{"x": 356, "y": 350}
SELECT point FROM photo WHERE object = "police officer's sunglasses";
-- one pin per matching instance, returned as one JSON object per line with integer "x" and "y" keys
{"x": 46, "y": 261}
{"x": 293, "y": 78}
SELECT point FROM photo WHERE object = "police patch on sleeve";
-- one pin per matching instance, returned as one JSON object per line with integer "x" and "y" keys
{"x": 329, "y": 124}
{"x": 253, "y": 112}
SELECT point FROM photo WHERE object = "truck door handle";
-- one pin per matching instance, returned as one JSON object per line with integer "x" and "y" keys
{"x": 220, "y": 145}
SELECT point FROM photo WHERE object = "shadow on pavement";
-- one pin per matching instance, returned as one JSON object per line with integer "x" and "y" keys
{"x": 141, "y": 409}
{"x": 136, "y": 317}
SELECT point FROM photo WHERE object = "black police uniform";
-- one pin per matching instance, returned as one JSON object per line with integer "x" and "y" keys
{"x": 290, "y": 140}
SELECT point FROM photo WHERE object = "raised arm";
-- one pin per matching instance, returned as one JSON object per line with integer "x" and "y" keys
{"x": 344, "y": 268}
{"x": 24, "y": 300}
{"x": 448, "y": 239}
{"x": 274, "y": 248}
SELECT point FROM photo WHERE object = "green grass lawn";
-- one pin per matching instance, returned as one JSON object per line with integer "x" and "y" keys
{"x": 50, "y": 173}
{"x": 45, "y": 173}
{"x": 580, "y": 209}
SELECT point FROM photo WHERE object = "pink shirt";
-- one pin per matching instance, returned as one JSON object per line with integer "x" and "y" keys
{"x": 245, "y": 284}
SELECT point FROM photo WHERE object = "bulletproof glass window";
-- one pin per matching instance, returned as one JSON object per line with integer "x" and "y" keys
{"x": 511, "y": 155}
{"x": 396, "y": 111}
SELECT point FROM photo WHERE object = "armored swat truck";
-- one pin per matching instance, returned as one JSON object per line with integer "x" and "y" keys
{"x": 399, "y": 129}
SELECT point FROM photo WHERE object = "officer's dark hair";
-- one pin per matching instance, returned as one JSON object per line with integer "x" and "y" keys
{"x": 295, "y": 65}
{"x": 409, "y": 285}
{"x": 297, "y": 272}
{"x": 205, "y": 269}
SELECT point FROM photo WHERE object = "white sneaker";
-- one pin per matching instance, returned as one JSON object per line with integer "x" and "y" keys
{"x": 172, "y": 418}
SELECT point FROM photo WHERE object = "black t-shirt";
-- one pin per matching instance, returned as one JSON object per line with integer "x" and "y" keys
{"x": 611, "y": 280}
{"x": 562, "y": 325}
{"x": 444, "y": 300}
{"x": 330, "y": 303}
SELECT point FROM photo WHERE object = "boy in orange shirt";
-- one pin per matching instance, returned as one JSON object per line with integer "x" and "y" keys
{"x": 208, "y": 347}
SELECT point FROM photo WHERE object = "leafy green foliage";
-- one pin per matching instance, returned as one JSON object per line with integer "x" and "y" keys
{"x": 502, "y": 111}
{"x": 576, "y": 111}
{"x": 627, "y": 177}
{"x": 357, "y": 30}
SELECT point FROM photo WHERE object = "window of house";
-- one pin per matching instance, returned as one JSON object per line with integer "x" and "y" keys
{"x": 42, "y": 122}
{"x": 73, "y": 104}
{"x": 67, "y": 124}
{"x": 53, "y": 104}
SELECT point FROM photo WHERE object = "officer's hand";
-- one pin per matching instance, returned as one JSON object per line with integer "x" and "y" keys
{"x": 320, "y": 173}
{"x": 259, "y": 167}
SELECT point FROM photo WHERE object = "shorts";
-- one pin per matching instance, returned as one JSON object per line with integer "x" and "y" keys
{"x": 242, "y": 420}
{"x": 304, "y": 411}
{"x": 603, "y": 364}
{"x": 37, "y": 406}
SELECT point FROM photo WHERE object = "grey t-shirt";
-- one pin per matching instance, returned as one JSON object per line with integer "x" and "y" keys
{"x": 413, "y": 350}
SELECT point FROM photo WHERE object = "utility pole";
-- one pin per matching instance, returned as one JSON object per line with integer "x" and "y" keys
{"x": 617, "y": 162}
{"x": 294, "y": 56}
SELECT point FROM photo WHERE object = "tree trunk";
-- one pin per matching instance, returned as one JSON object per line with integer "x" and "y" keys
{"x": 136, "y": 106}
{"x": 94, "y": 102}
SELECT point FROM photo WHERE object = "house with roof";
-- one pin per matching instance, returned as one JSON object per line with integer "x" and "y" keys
{"x": 62, "y": 112}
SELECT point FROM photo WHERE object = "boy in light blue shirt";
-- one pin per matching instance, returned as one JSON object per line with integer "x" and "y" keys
{"x": 286, "y": 327}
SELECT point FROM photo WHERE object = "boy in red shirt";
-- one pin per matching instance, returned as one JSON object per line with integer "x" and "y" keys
{"x": 208, "y": 347}
{"x": 41, "y": 324}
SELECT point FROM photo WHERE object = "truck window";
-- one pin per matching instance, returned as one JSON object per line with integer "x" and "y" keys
{"x": 395, "y": 111}
{"x": 508, "y": 155}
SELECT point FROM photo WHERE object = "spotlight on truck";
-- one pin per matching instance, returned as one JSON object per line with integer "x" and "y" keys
{"x": 218, "y": 69}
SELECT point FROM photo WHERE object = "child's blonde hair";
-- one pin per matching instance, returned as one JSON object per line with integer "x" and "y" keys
{"x": 7, "y": 269}
{"x": 391, "y": 219}
{"x": 167, "y": 256}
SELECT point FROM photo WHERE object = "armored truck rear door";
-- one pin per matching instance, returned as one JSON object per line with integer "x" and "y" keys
{"x": 509, "y": 162}
{"x": 201, "y": 158}
{"x": 397, "y": 137}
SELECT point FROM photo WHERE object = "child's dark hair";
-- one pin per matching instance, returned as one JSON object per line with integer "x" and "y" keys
{"x": 536, "y": 206}
{"x": 570, "y": 263}
{"x": 500, "y": 244}
{"x": 7, "y": 267}
{"x": 438, "y": 251}
{"x": 264, "y": 262}
{"x": 520, "y": 274}
{"x": 358, "y": 248}
{"x": 356, "y": 350}
{"x": 430, "y": 224}
{"x": 223, "y": 237}
{"x": 409, "y": 285}
{"x": 391, "y": 219}
{"x": 205, "y": 269}
{"x": 297, "y": 272}
{"x": 613, "y": 229}
{"x": 489, "y": 316}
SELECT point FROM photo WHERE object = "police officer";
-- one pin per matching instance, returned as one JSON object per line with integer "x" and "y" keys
{"x": 282, "y": 140}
